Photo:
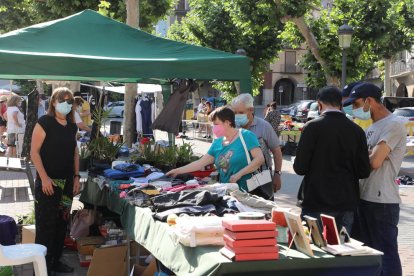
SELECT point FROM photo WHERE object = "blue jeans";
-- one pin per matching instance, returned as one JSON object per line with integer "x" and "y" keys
{"x": 379, "y": 230}
{"x": 345, "y": 218}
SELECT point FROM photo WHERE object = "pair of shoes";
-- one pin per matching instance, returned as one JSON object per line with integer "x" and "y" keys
{"x": 60, "y": 267}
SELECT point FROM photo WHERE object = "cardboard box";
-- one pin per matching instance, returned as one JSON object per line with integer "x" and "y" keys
{"x": 86, "y": 245}
{"x": 28, "y": 234}
{"x": 148, "y": 270}
{"x": 108, "y": 261}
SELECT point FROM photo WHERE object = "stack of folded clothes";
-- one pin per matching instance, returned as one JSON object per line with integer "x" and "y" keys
{"x": 125, "y": 170}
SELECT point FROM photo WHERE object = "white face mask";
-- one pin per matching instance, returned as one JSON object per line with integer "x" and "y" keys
{"x": 63, "y": 108}
{"x": 361, "y": 114}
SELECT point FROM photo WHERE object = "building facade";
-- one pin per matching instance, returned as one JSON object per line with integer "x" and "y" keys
{"x": 402, "y": 74}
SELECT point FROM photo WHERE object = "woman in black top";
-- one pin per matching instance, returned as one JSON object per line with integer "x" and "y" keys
{"x": 55, "y": 155}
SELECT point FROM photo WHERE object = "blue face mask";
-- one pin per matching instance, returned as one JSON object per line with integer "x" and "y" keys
{"x": 63, "y": 108}
{"x": 348, "y": 110}
{"x": 241, "y": 120}
{"x": 361, "y": 114}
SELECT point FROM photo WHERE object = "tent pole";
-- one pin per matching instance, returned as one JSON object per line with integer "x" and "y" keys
{"x": 171, "y": 136}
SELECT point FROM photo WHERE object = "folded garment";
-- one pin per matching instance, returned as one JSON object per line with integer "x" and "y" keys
{"x": 126, "y": 167}
{"x": 191, "y": 210}
{"x": 254, "y": 201}
{"x": 149, "y": 178}
{"x": 183, "y": 187}
{"x": 182, "y": 199}
{"x": 116, "y": 174}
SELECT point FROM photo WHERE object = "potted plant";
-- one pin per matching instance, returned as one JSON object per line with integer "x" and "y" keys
{"x": 84, "y": 157}
{"x": 168, "y": 159}
{"x": 24, "y": 220}
{"x": 185, "y": 155}
{"x": 102, "y": 150}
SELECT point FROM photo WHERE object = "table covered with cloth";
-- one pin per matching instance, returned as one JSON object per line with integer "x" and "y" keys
{"x": 207, "y": 260}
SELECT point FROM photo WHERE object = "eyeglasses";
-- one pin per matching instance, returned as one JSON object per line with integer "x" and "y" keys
{"x": 68, "y": 101}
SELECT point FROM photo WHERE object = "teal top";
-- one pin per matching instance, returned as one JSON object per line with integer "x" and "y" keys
{"x": 232, "y": 158}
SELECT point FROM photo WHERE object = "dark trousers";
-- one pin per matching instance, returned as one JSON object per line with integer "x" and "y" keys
{"x": 342, "y": 219}
{"x": 379, "y": 230}
{"x": 52, "y": 216}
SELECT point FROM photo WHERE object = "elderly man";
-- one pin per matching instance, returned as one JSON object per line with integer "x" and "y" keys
{"x": 243, "y": 107}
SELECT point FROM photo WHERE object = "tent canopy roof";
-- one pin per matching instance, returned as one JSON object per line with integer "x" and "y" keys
{"x": 89, "y": 46}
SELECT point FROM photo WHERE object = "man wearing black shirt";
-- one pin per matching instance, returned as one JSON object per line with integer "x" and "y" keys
{"x": 332, "y": 155}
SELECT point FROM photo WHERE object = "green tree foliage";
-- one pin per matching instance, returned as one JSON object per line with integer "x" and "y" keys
{"x": 18, "y": 14}
{"x": 382, "y": 29}
{"x": 231, "y": 25}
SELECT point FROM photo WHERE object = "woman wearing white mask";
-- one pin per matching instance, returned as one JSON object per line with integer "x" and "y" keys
{"x": 15, "y": 125}
{"x": 227, "y": 151}
{"x": 55, "y": 155}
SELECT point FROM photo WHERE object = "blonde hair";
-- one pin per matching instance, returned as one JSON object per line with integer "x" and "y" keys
{"x": 14, "y": 100}
{"x": 59, "y": 95}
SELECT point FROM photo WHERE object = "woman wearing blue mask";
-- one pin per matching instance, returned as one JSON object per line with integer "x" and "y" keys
{"x": 55, "y": 155}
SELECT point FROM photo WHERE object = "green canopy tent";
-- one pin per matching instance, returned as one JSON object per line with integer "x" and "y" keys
{"x": 92, "y": 47}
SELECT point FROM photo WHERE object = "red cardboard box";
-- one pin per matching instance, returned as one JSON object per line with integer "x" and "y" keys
{"x": 248, "y": 257}
{"x": 249, "y": 225}
{"x": 253, "y": 249}
{"x": 245, "y": 243}
{"x": 250, "y": 234}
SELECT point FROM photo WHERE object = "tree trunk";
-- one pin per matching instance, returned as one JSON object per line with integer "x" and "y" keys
{"x": 132, "y": 7}
{"x": 311, "y": 42}
{"x": 387, "y": 77}
{"x": 39, "y": 86}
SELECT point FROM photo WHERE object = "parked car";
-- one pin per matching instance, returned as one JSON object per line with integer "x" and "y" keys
{"x": 287, "y": 109}
{"x": 313, "y": 111}
{"x": 117, "y": 109}
{"x": 405, "y": 113}
{"x": 303, "y": 109}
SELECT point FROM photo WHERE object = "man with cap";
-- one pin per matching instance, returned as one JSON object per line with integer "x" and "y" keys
{"x": 332, "y": 155}
{"x": 364, "y": 124}
{"x": 379, "y": 208}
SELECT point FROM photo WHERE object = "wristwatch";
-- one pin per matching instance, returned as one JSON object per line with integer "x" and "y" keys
{"x": 278, "y": 172}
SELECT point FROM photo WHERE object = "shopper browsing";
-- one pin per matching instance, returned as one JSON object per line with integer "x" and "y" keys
{"x": 227, "y": 151}
{"x": 54, "y": 153}
{"x": 379, "y": 209}
{"x": 332, "y": 155}
{"x": 243, "y": 107}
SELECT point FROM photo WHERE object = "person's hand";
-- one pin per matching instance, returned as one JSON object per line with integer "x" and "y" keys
{"x": 277, "y": 182}
{"x": 174, "y": 172}
{"x": 47, "y": 186}
{"x": 76, "y": 186}
{"x": 235, "y": 177}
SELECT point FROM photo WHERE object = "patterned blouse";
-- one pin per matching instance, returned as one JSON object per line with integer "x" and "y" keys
{"x": 273, "y": 117}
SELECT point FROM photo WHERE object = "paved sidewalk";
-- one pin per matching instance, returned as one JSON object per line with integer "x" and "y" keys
{"x": 16, "y": 199}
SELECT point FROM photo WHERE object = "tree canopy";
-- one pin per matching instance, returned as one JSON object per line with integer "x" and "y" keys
{"x": 264, "y": 27}
{"x": 229, "y": 26}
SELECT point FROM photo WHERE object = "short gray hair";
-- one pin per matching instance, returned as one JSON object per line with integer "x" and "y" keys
{"x": 245, "y": 99}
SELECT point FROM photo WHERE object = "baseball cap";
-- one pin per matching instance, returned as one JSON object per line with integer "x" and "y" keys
{"x": 3, "y": 99}
{"x": 363, "y": 90}
{"x": 348, "y": 88}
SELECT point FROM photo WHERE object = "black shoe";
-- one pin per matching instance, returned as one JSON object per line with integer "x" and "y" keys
{"x": 60, "y": 267}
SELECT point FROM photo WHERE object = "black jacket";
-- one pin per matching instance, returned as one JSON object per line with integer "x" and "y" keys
{"x": 332, "y": 155}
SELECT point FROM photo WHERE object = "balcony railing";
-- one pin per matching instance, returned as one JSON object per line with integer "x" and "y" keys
{"x": 290, "y": 68}
{"x": 401, "y": 67}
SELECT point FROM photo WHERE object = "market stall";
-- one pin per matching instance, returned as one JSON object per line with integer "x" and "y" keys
{"x": 206, "y": 260}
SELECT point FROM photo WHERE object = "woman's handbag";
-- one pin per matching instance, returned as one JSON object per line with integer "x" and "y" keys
{"x": 260, "y": 183}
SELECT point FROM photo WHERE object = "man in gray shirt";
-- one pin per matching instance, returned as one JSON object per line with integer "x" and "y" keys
{"x": 379, "y": 208}
{"x": 243, "y": 107}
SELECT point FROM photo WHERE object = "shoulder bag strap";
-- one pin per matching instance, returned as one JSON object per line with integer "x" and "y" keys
{"x": 245, "y": 147}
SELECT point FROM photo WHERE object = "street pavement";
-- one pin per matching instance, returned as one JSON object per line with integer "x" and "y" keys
{"x": 16, "y": 199}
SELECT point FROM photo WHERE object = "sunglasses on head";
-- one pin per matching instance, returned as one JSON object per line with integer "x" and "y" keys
{"x": 68, "y": 101}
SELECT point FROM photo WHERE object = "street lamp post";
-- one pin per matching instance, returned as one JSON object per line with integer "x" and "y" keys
{"x": 240, "y": 52}
{"x": 345, "y": 36}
